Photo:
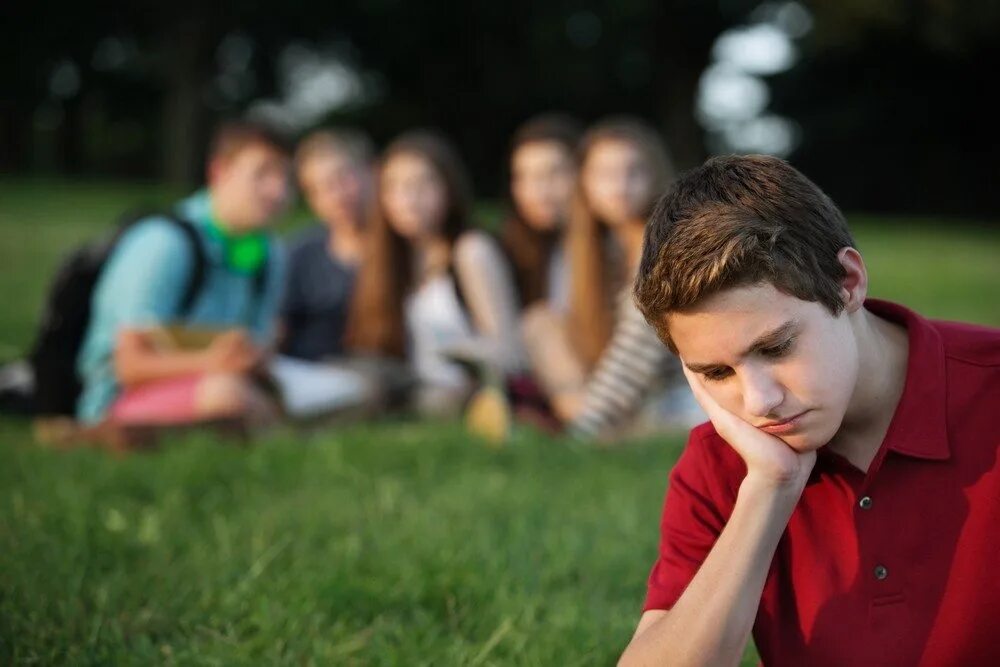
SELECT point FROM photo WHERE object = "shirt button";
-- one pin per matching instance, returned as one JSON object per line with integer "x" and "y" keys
{"x": 865, "y": 503}
{"x": 880, "y": 572}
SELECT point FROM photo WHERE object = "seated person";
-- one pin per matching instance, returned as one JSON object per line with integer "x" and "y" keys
{"x": 542, "y": 165}
{"x": 602, "y": 367}
{"x": 335, "y": 174}
{"x": 429, "y": 285}
{"x": 542, "y": 170}
{"x": 843, "y": 500}
{"x": 131, "y": 368}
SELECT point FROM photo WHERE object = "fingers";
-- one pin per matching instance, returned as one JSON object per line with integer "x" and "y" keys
{"x": 705, "y": 400}
{"x": 727, "y": 424}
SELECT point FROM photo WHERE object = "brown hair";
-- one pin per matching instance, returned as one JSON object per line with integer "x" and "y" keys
{"x": 232, "y": 136}
{"x": 353, "y": 143}
{"x": 529, "y": 249}
{"x": 375, "y": 323}
{"x": 590, "y": 307}
{"x": 740, "y": 220}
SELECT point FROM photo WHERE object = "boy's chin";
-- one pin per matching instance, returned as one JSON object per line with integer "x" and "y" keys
{"x": 804, "y": 442}
{"x": 816, "y": 433}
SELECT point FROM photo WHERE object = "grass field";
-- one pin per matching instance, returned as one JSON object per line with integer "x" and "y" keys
{"x": 390, "y": 544}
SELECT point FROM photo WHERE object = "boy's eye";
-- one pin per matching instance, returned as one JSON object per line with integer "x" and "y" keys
{"x": 717, "y": 374}
{"x": 778, "y": 350}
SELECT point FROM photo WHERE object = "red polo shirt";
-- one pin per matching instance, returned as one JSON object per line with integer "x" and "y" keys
{"x": 896, "y": 566}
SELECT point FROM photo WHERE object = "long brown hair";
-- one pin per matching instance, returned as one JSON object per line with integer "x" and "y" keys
{"x": 591, "y": 305}
{"x": 529, "y": 249}
{"x": 375, "y": 323}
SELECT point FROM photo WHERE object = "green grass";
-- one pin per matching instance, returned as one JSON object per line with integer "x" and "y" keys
{"x": 397, "y": 544}
{"x": 393, "y": 544}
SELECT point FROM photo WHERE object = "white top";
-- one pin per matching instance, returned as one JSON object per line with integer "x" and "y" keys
{"x": 557, "y": 279}
{"x": 436, "y": 321}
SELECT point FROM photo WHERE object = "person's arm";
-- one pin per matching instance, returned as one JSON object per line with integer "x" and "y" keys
{"x": 711, "y": 621}
{"x": 138, "y": 359}
{"x": 140, "y": 292}
{"x": 488, "y": 288}
{"x": 629, "y": 367}
{"x": 553, "y": 361}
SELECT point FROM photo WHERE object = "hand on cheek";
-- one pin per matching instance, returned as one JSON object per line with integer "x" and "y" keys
{"x": 767, "y": 457}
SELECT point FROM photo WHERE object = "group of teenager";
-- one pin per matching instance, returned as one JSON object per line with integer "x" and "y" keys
{"x": 841, "y": 503}
{"x": 393, "y": 298}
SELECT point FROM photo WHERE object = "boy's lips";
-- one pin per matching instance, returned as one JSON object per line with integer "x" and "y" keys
{"x": 779, "y": 426}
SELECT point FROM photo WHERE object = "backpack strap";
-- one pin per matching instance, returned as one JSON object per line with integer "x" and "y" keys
{"x": 191, "y": 235}
{"x": 197, "y": 278}
{"x": 200, "y": 267}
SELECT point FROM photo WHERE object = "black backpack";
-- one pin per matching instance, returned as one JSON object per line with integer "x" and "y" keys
{"x": 66, "y": 314}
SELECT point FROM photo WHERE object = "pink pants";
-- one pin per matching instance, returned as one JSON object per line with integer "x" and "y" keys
{"x": 164, "y": 402}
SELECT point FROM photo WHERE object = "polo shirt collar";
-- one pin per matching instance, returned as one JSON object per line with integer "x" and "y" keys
{"x": 919, "y": 427}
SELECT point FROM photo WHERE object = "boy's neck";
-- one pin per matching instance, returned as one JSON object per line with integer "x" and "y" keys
{"x": 220, "y": 217}
{"x": 345, "y": 242}
{"x": 883, "y": 349}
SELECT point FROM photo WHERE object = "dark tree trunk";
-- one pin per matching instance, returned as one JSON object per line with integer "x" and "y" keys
{"x": 683, "y": 37}
{"x": 15, "y": 135}
{"x": 676, "y": 106}
{"x": 187, "y": 65}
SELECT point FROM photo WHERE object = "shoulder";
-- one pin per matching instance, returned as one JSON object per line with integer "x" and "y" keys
{"x": 475, "y": 246}
{"x": 970, "y": 343}
{"x": 307, "y": 241}
{"x": 154, "y": 237}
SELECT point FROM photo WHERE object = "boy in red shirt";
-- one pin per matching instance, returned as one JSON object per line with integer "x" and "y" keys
{"x": 843, "y": 504}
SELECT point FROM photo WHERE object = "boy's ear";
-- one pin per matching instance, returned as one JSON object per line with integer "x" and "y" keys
{"x": 854, "y": 284}
{"x": 214, "y": 168}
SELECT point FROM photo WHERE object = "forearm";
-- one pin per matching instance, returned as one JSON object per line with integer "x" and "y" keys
{"x": 139, "y": 367}
{"x": 711, "y": 622}
{"x": 553, "y": 361}
{"x": 624, "y": 378}
{"x": 488, "y": 288}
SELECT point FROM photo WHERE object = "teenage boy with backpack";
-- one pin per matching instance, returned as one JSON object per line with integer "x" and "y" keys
{"x": 209, "y": 264}
{"x": 843, "y": 503}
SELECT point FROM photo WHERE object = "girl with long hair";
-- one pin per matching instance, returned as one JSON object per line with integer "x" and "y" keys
{"x": 542, "y": 163}
{"x": 600, "y": 362}
{"x": 430, "y": 289}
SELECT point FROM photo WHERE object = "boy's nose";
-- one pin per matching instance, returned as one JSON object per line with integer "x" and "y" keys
{"x": 761, "y": 395}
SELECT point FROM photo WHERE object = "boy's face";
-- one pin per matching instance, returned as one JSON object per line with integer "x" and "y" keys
{"x": 251, "y": 186}
{"x": 785, "y": 365}
{"x": 335, "y": 186}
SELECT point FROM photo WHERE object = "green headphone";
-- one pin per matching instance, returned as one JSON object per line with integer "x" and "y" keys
{"x": 243, "y": 253}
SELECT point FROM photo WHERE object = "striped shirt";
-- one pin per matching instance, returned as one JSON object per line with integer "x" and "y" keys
{"x": 633, "y": 364}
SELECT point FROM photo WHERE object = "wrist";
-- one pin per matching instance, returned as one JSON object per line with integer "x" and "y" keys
{"x": 205, "y": 360}
{"x": 567, "y": 405}
{"x": 769, "y": 488}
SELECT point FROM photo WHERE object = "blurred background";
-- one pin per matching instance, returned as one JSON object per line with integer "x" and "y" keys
{"x": 884, "y": 104}
{"x": 402, "y": 543}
